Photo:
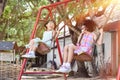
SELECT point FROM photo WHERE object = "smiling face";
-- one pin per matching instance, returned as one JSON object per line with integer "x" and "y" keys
{"x": 50, "y": 25}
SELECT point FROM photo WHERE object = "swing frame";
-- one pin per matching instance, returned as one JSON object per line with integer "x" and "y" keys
{"x": 49, "y": 8}
{"x": 38, "y": 18}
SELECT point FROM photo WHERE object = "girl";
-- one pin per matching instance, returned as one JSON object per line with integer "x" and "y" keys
{"x": 84, "y": 44}
{"x": 48, "y": 35}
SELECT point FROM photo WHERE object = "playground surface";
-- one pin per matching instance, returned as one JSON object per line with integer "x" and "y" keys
{"x": 71, "y": 78}
{"x": 11, "y": 72}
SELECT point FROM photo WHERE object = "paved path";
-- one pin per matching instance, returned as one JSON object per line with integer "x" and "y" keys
{"x": 69, "y": 78}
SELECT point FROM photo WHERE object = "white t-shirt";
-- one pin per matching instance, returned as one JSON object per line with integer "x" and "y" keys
{"x": 47, "y": 37}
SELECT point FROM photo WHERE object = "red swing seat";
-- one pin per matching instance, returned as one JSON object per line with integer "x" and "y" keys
{"x": 85, "y": 56}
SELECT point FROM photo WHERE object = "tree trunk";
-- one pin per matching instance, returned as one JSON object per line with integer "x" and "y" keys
{"x": 82, "y": 71}
{"x": 2, "y": 6}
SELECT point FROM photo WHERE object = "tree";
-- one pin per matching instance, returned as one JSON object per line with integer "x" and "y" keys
{"x": 18, "y": 19}
{"x": 2, "y": 6}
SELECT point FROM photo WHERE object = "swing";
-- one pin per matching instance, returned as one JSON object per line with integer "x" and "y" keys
{"x": 50, "y": 7}
{"x": 43, "y": 48}
{"x": 85, "y": 56}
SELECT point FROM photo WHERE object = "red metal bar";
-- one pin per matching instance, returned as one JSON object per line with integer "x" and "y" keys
{"x": 34, "y": 32}
{"x": 59, "y": 51}
{"x": 32, "y": 36}
{"x": 60, "y": 55}
{"x": 46, "y": 18}
{"x": 58, "y": 3}
{"x": 44, "y": 72}
{"x": 35, "y": 25}
{"x": 22, "y": 68}
{"x": 118, "y": 74}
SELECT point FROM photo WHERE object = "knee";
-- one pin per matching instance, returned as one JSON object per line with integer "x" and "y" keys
{"x": 71, "y": 47}
{"x": 66, "y": 47}
{"x": 31, "y": 41}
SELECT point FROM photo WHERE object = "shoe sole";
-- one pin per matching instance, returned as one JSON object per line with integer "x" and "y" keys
{"x": 62, "y": 72}
{"x": 28, "y": 57}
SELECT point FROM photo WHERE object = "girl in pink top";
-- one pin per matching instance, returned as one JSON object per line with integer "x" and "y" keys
{"x": 84, "y": 44}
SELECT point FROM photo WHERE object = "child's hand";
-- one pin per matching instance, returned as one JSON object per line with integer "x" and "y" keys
{"x": 82, "y": 32}
{"x": 58, "y": 32}
{"x": 101, "y": 30}
{"x": 77, "y": 45}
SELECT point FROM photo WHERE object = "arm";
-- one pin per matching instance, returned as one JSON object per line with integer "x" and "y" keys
{"x": 55, "y": 34}
{"x": 79, "y": 38}
{"x": 100, "y": 39}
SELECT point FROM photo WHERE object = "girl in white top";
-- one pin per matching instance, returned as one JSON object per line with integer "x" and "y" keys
{"x": 48, "y": 35}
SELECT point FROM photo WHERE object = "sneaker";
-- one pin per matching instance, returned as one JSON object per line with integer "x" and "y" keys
{"x": 29, "y": 55}
{"x": 64, "y": 69}
{"x": 60, "y": 68}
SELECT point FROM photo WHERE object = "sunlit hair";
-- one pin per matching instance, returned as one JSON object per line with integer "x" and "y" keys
{"x": 50, "y": 21}
{"x": 90, "y": 25}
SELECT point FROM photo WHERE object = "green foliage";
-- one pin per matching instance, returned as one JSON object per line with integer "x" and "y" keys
{"x": 7, "y": 12}
{"x": 19, "y": 17}
{"x": 18, "y": 20}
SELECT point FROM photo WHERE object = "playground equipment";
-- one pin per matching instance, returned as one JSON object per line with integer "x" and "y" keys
{"x": 49, "y": 8}
{"x": 38, "y": 19}
{"x": 118, "y": 74}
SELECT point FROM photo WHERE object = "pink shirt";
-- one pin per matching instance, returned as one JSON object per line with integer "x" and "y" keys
{"x": 86, "y": 44}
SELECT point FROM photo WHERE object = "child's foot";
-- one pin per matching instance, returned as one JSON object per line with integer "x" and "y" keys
{"x": 60, "y": 68}
{"x": 64, "y": 69}
{"x": 29, "y": 55}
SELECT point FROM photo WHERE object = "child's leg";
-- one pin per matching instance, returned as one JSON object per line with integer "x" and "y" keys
{"x": 32, "y": 45}
{"x": 33, "y": 48}
{"x": 70, "y": 55}
{"x": 71, "y": 49}
{"x": 67, "y": 58}
{"x": 65, "y": 53}
{"x": 33, "y": 42}
{"x": 29, "y": 45}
